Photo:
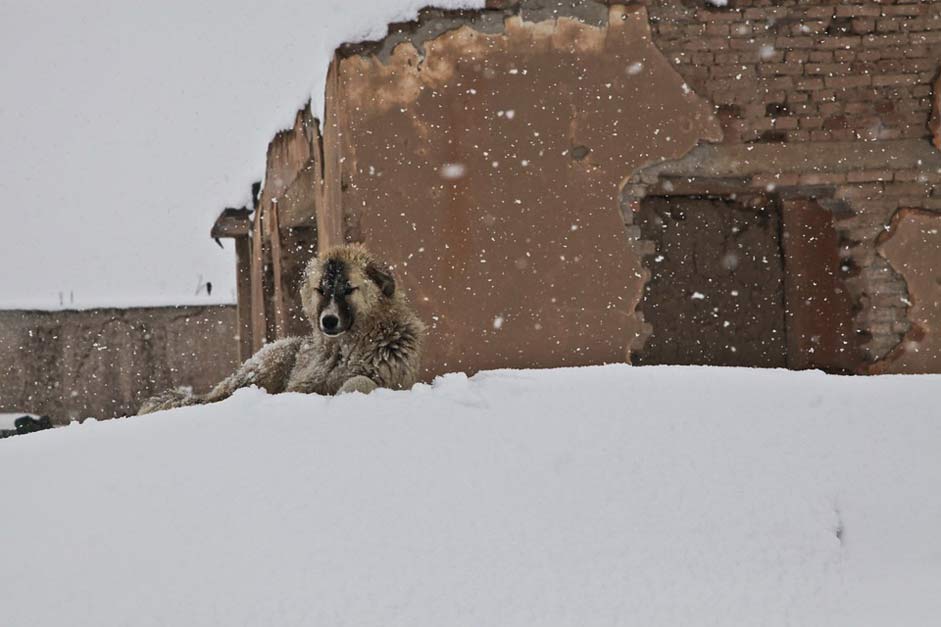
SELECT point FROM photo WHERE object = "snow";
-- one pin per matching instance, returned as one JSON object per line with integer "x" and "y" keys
{"x": 128, "y": 125}
{"x": 596, "y": 496}
{"x": 8, "y": 420}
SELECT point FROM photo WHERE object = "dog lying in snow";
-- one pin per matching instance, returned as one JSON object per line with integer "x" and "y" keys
{"x": 365, "y": 336}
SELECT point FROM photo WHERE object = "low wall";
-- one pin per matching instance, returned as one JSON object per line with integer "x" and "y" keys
{"x": 104, "y": 362}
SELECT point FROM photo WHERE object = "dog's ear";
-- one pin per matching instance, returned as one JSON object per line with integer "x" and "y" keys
{"x": 308, "y": 284}
{"x": 382, "y": 278}
{"x": 313, "y": 269}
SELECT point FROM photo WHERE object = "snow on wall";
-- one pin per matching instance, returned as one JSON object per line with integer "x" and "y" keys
{"x": 8, "y": 421}
{"x": 128, "y": 125}
{"x": 594, "y": 496}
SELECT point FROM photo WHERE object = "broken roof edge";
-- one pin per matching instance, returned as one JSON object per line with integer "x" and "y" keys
{"x": 232, "y": 222}
{"x": 433, "y": 22}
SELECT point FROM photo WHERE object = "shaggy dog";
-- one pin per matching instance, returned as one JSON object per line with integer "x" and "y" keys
{"x": 365, "y": 336}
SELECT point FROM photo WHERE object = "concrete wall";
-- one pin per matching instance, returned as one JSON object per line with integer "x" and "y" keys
{"x": 104, "y": 362}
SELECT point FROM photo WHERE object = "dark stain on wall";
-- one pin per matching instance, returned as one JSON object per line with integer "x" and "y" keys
{"x": 820, "y": 312}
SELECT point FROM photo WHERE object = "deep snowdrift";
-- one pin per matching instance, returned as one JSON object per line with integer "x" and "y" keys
{"x": 615, "y": 496}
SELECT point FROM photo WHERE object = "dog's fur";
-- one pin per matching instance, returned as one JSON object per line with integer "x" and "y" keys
{"x": 365, "y": 336}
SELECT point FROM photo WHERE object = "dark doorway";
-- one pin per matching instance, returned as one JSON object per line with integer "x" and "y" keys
{"x": 716, "y": 292}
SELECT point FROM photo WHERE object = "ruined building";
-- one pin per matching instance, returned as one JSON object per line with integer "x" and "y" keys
{"x": 664, "y": 182}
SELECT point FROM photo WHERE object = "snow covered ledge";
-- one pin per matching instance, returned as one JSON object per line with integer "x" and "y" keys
{"x": 605, "y": 495}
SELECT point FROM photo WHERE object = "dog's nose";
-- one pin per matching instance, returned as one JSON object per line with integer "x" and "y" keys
{"x": 329, "y": 323}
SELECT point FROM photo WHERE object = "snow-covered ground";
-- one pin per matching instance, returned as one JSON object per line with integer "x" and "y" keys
{"x": 596, "y": 496}
{"x": 127, "y": 125}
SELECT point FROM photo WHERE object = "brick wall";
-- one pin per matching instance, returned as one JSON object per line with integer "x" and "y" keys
{"x": 812, "y": 73}
{"x": 808, "y": 71}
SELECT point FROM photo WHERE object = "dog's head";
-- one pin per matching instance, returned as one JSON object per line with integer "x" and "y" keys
{"x": 344, "y": 285}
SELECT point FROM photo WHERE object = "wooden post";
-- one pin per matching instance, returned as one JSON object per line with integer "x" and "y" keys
{"x": 277, "y": 266}
{"x": 259, "y": 318}
{"x": 236, "y": 224}
{"x": 330, "y": 211}
{"x": 243, "y": 270}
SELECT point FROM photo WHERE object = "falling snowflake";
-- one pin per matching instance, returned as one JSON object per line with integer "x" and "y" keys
{"x": 453, "y": 171}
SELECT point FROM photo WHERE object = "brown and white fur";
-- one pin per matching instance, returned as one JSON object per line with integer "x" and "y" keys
{"x": 365, "y": 336}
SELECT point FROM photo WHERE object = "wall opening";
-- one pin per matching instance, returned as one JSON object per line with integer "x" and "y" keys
{"x": 716, "y": 290}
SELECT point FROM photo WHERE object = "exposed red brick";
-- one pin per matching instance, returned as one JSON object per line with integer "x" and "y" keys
{"x": 822, "y": 179}
{"x": 838, "y": 82}
{"x": 857, "y": 10}
{"x": 894, "y": 79}
{"x": 869, "y": 175}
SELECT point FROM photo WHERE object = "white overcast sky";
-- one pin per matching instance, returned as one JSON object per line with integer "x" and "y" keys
{"x": 126, "y": 126}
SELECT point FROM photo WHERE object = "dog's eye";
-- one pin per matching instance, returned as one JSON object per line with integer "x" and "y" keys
{"x": 349, "y": 290}
{"x": 319, "y": 290}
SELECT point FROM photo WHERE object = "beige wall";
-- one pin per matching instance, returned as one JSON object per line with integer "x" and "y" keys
{"x": 103, "y": 362}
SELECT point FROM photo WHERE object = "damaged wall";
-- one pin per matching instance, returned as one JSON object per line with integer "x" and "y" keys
{"x": 489, "y": 168}
{"x": 487, "y": 154}
{"x": 912, "y": 246}
{"x": 827, "y": 101}
{"x": 103, "y": 362}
